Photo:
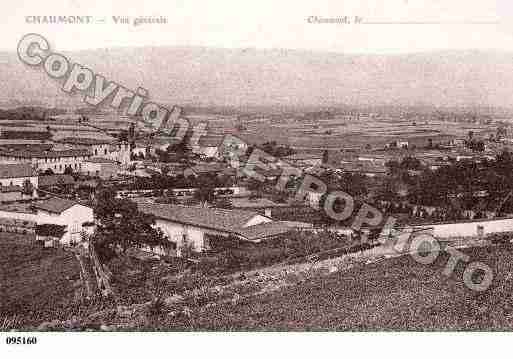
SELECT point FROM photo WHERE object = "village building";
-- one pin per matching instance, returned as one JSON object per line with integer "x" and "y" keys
{"x": 56, "y": 161}
{"x": 73, "y": 216}
{"x": 269, "y": 230}
{"x": 48, "y": 182}
{"x": 368, "y": 169}
{"x": 304, "y": 159}
{"x": 206, "y": 169}
{"x": 400, "y": 144}
{"x": 13, "y": 178}
{"x": 66, "y": 213}
{"x": 141, "y": 150}
{"x": 466, "y": 228}
{"x": 208, "y": 146}
{"x": 98, "y": 148}
{"x": 11, "y": 193}
{"x": 193, "y": 226}
{"x": 103, "y": 168}
{"x": 261, "y": 205}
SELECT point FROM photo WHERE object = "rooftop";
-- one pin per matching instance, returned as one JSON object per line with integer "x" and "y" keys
{"x": 363, "y": 167}
{"x": 100, "y": 160}
{"x": 254, "y": 203}
{"x": 85, "y": 141}
{"x": 17, "y": 222}
{"x": 303, "y": 156}
{"x": 270, "y": 229}
{"x": 16, "y": 170}
{"x": 210, "y": 141}
{"x": 53, "y": 180}
{"x": 8, "y": 189}
{"x": 209, "y": 168}
{"x": 54, "y": 204}
{"x": 45, "y": 154}
{"x": 212, "y": 218}
{"x": 18, "y": 207}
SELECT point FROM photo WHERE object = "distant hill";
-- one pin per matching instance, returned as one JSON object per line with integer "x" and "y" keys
{"x": 249, "y": 77}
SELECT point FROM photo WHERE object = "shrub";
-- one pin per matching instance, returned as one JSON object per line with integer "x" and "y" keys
{"x": 231, "y": 254}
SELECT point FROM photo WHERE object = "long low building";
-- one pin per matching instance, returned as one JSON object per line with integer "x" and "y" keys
{"x": 57, "y": 161}
{"x": 108, "y": 148}
{"x": 192, "y": 226}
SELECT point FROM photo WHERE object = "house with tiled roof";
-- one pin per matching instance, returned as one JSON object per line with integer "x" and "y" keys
{"x": 185, "y": 225}
{"x": 64, "y": 212}
{"x": 73, "y": 216}
{"x": 194, "y": 226}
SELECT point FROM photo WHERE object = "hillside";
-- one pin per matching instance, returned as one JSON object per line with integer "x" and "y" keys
{"x": 36, "y": 283}
{"x": 396, "y": 294}
{"x": 251, "y": 77}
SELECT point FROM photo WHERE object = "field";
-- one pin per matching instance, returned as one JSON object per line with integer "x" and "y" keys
{"x": 35, "y": 282}
{"x": 346, "y": 131}
{"x": 395, "y": 294}
{"x": 337, "y": 132}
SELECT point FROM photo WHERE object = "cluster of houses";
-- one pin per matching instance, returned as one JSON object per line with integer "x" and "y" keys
{"x": 183, "y": 225}
{"x": 29, "y": 171}
{"x": 26, "y": 204}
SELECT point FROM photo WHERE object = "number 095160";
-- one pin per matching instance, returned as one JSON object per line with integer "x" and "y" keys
{"x": 21, "y": 340}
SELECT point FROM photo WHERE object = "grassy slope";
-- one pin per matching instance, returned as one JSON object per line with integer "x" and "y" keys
{"x": 35, "y": 282}
{"x": 396, "y": 294}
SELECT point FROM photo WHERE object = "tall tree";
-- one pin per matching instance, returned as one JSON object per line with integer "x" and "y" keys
{"x": 28, "y": 187}
{"x": 325, "y": 156}
{"x": 120, "y": 225}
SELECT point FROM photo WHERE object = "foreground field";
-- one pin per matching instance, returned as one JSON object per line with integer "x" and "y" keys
{"x": 41, "y": 285}
{"x": 396, "y": 294}
{"x": 36, "y": 283}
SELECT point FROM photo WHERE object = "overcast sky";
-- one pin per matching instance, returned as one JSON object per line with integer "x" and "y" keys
{"x": 270, "y": 24}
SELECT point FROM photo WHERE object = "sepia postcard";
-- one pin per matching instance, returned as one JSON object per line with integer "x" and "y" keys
{"x": 194, "y": 174}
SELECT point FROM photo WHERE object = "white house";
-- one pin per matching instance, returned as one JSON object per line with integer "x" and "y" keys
{"x": 56, "y": 211}
{"x": 208, "y": 146}
{"x": 185, "y": 225}
{"x": 65, "y": 213}
{"x": 101, "y": 167}
{"x": 99, "y": 148}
